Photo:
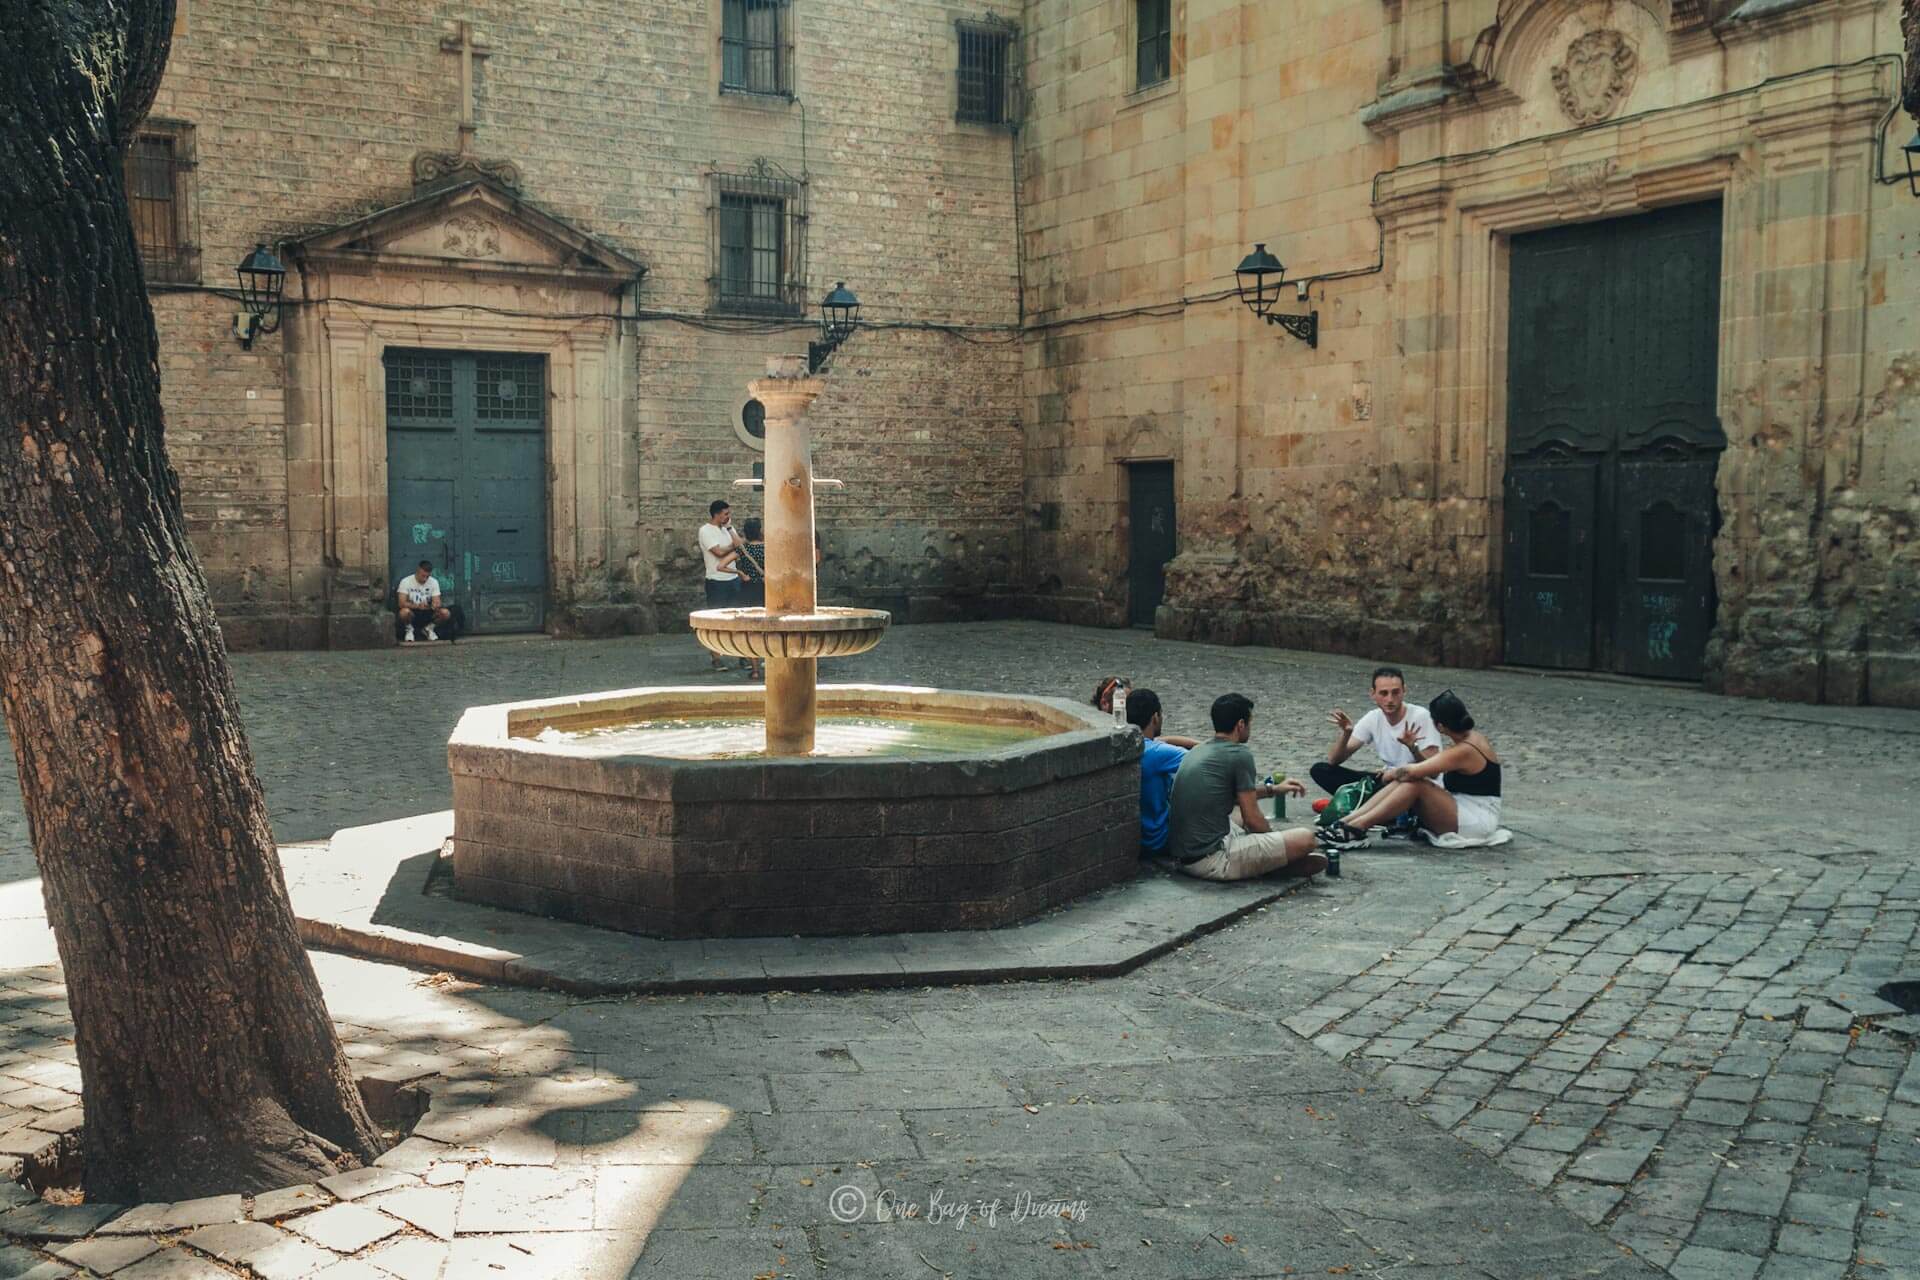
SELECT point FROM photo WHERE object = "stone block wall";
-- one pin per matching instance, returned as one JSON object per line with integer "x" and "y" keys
{"x": 309, "y": 115}
{"x": 1349, "y": 497}
{"x": 1346, "y": 497}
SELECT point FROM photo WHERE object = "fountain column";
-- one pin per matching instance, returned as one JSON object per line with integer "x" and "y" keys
{"x": 792, "y": 587}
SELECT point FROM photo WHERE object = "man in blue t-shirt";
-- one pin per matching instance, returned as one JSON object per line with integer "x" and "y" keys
{"x": 1158, "y": 763}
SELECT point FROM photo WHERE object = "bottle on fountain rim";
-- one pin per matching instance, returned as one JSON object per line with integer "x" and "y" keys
{"x": 1120, "y": 702}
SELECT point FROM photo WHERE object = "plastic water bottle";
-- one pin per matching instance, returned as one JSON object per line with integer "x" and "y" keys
{"x": 1120, "y": 702}
{"x": 1279, "y": 799}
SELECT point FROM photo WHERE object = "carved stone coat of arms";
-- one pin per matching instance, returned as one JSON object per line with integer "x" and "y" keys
{"x": 1596, "y": 76}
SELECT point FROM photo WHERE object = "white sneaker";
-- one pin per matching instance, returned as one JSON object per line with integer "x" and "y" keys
{"x": 430, "y": 634}
{"x": 408, "y": 638}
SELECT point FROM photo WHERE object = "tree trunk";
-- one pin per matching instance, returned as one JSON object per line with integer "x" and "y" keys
{"x": 1910, "y": 30}
{"x": 207, "y": 1058}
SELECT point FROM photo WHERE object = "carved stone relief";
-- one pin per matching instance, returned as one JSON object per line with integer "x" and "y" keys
{"x": 437, "y": 168}
{"x": 1581, "y": 188}
{"x": 471, "y": 236}
{"x": 1596, "y": 76}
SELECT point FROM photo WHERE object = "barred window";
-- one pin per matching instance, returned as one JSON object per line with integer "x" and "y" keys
{"x": 419, "y": 386}
{"x": 158, "y": 165}
{"x": 1153, "y": 31}
{"x": 986, "y": 74}
{"x": 508, "y": 388}
{"x": 756, "y": 46}
{"x": 759, "y": 242}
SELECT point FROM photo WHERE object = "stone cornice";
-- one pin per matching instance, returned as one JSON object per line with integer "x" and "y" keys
{"x": 361, "y": 247}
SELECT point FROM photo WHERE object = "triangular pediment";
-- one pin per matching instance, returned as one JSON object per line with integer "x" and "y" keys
{"x": 475, "y": 226}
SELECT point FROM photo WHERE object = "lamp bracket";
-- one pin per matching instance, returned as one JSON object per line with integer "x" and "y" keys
{"x": 1304, "y": 327}
{"x": 818, "y": 353}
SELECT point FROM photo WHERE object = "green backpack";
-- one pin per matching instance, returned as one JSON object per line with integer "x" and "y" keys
{"x": 1348, "y": 798}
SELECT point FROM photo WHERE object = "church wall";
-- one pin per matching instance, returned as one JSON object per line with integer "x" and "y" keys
{"x": 309, "y": 115}
{"x": 1350, "y": 497}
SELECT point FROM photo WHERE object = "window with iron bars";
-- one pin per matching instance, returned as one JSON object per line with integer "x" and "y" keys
{"x": 1153, "y": 32}
{"x": 986, "y": 75}
{"x": 158, "y": 165}
{"x": 759, "y": 243}
{"x": 756, "y": 46}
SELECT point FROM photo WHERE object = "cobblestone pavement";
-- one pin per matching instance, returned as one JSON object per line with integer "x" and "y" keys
{"x": 1679, "y": 1058}
{"x": 345, "y": 738}
{"x": 1644, "y": 1035}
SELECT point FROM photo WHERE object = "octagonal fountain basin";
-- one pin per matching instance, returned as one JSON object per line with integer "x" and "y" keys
{"x": 654, "y": 811}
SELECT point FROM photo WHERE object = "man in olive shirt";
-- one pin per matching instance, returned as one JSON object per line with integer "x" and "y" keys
{"x": 1215, "y": 829}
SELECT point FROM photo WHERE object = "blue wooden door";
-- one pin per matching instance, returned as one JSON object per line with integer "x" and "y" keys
{"x": 466, "y": 481}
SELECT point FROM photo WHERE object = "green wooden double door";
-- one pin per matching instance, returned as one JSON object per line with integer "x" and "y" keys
{"x": 466, "y": 480}
{"x": 1613, "y": 444}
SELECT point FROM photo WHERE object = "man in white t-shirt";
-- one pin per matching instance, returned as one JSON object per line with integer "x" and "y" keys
{"x": 1398, "y": 731}
{"x": 419, "y": 598}
{"x": 720, "y": 546}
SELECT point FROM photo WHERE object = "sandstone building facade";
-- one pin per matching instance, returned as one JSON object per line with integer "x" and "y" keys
{"x": 1612, "y": 357}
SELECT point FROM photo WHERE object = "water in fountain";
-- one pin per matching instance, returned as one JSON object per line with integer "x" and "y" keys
{"x": 737, "y": 737}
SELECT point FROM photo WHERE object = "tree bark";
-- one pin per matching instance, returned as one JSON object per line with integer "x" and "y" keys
{"x": 207, "y": 1059}
{"x": 1910, "y": 30}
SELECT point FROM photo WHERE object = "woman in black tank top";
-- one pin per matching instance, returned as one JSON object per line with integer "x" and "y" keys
{"x": 1465, "y": 799}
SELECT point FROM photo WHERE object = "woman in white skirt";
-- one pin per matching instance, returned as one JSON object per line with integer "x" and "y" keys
{"x": 1466, "y": 799}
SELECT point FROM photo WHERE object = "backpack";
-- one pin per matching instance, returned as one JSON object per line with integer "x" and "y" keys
{"x": 1349, "y": 797}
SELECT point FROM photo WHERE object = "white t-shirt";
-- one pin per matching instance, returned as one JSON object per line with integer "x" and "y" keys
{"x": 418, "y": 592}
{"x": 1372, "y": 730}
{"x": 715, "y": 542}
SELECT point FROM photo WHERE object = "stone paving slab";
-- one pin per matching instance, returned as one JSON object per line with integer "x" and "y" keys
{"x": 1292, "y": 1166}
{"x": 366, "y": 892}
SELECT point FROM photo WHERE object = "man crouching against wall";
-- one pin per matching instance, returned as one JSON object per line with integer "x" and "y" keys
{"x": 1215, "y": 829}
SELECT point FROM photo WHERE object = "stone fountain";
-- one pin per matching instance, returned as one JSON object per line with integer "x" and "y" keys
{"x": 732, "y": 811}
{"x": 793, "y": 632}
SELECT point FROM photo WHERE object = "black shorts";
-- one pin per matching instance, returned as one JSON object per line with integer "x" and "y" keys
{"x": 420, "y": 612}
{"x": 723, "y": 593}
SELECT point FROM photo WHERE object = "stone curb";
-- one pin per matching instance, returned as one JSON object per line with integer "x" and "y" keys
{"x": 340, "y": 888}
{"x": 389, "y": 945}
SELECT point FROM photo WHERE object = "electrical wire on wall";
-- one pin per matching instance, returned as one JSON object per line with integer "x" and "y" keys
{"x": 1003, "y": 334}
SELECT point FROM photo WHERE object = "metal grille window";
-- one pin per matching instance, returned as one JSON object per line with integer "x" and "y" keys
{"x": 759, "y": 242}
{"x": 419, "y": 386}
{"x": 157, "y": 167}
{"x": 756, "y": 46}
{"x": 986, "y": 78}
{"x": 1153, "y": 29}
{"x": 508, "y": 388}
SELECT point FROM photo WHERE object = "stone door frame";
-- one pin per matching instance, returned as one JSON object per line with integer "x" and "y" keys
{"x": 341, "y": 513}
{"x": 1448, "y": 223}
{"x": 559, "y": 299}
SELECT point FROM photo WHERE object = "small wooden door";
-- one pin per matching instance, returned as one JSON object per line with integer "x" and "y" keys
{"x": 1613, "y": 442}
{"x": 466, "y": 480}
{"x": 1151, "y": 541}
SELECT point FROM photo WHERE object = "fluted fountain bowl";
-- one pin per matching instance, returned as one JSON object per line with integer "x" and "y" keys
{"x": 756, "y": 633}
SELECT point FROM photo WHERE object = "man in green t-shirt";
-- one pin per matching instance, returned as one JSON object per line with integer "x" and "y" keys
{"x": 1215, "y": 829}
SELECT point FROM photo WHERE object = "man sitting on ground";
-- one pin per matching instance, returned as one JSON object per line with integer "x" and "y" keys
{"x": 1399, "y": 732}
{"x": 1215, "y": 829}
{"x": 1158, "y": 763}
{"x": 419, "y": 597}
